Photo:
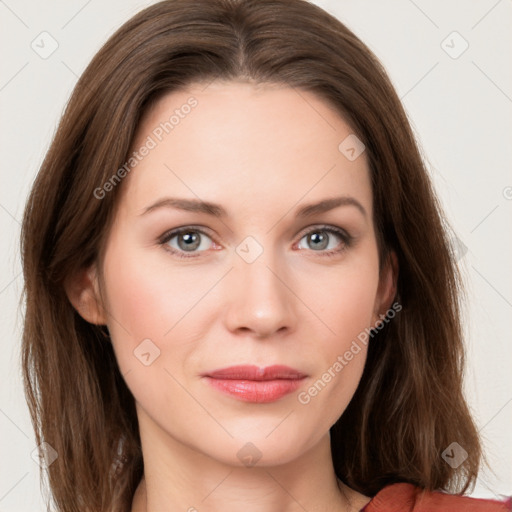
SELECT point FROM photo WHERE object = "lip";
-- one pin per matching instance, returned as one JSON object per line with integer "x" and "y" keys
{"x": 253, "y": 384}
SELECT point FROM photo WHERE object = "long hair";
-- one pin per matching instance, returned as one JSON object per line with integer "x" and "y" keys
{"x": 409, "y": 405}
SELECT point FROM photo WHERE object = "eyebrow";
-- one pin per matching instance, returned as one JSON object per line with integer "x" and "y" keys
{"x": 198, "y": 206}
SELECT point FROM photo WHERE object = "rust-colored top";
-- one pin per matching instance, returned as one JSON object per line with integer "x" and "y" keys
{"x": 404, "y": 497}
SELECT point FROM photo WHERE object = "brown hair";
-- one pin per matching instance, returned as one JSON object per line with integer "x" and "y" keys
{"x": 409, "y": 405}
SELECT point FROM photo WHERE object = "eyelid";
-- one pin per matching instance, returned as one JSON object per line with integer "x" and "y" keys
{"x": 183, "y": 229}
{"x": 320, "y": 227}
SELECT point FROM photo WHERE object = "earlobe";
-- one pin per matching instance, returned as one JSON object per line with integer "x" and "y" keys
{"x": 83, "y": 292}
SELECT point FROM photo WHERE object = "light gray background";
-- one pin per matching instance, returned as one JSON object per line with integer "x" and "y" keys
{"x": 460, "y": 109}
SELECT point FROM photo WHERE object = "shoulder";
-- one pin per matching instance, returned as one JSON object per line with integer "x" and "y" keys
{"x": 405, "y": 497}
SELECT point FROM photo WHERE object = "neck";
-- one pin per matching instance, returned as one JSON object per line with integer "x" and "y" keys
{"x": 177, "y": 477}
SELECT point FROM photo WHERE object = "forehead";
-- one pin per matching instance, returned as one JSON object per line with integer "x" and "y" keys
{"x": 235, "y": 142}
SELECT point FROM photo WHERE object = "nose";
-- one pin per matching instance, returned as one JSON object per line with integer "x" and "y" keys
{"x": 259, "y": 298}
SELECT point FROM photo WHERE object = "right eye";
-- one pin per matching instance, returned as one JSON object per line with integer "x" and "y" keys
{"x": 185, "y": 240}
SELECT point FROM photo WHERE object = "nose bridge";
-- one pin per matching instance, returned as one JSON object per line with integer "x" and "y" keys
{"x": 259, "y": 299}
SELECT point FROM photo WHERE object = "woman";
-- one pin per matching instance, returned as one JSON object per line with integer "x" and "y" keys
{"x": 239, "y": 289}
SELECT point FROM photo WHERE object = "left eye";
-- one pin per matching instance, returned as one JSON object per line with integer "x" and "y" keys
{"x": 319, "y": 239}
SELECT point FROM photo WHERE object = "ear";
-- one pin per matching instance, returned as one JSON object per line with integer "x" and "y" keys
{"x": 386, "y": 290}
{"x": 82, "y": 290}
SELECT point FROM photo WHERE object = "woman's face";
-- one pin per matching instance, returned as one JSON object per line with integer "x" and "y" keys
{"x": 250, "y": 281}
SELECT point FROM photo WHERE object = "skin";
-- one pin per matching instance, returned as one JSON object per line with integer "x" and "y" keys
{"x": 261, "y": 152}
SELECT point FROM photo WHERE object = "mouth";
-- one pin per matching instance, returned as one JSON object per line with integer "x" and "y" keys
{"x": 253, "y": 384}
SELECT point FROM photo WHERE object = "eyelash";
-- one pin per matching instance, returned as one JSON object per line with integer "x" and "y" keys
{"x": 345, "y": 237}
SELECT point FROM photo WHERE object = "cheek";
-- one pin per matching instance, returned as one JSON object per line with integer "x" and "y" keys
{"x": 141, "y": 306}
{"x": 155, "y": 322}
{"x": 145, "y": 311}
{"x": 345, "y": 305}
{"x": 147, "y": 299}
{"x": 340, "y": 359}
{"x": 346, "y": 301}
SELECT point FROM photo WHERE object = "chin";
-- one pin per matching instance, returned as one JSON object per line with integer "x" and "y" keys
{"x": 261, "y": 447}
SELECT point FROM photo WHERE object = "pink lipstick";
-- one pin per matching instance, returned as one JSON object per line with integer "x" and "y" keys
{"x": 252, "y": 384}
